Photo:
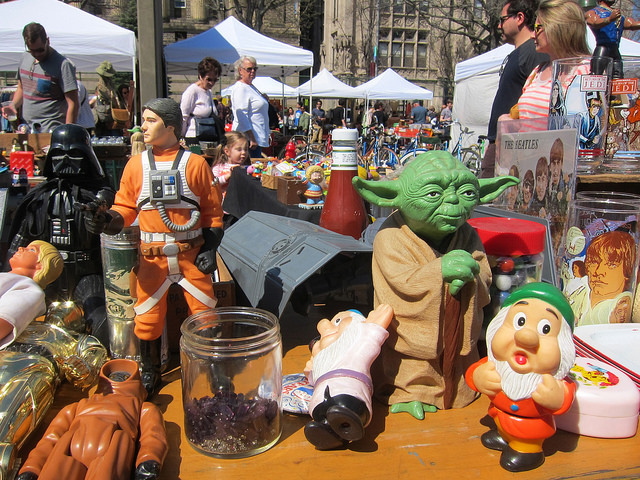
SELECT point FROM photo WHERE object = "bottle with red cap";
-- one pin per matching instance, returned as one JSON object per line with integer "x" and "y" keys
{"x": 343, "y": 210}
{"x": 514, "y": 249}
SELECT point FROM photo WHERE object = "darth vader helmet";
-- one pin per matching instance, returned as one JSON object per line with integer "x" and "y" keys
{"x": 70, "y": 154}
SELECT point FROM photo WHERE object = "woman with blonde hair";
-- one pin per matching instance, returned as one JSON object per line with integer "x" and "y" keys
{"x": 250, "y": 108}
{"x": 559, "y": 31}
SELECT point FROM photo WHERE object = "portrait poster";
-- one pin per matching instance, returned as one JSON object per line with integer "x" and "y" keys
{"x": 578, "y": 100}
{"x": 545, "y": 163}
{"x": 622, "y": 151}
{"x": 598, "y": 262}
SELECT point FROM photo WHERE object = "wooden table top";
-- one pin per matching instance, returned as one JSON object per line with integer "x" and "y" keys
{"x": 445, "y": 445}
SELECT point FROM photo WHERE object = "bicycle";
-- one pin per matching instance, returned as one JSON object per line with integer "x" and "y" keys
{"x": 472, "y": 155}
{"x": 379, "y": 154}
{"x": 416, "y": 147}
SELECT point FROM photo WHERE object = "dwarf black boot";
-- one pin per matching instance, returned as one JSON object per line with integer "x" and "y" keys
{"x": 514, "y": 461}
{"x": 150, "y": 363}
{"x": 337, "y": 421}
{"x": 493, "y": 440}
{"x": 347, "y": 416}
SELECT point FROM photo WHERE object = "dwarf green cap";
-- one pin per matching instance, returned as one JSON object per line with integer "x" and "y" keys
{"x": 134, "y": 129}
{"x": 545, "y": 292}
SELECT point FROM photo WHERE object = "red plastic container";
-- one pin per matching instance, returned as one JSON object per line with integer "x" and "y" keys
{"x": 22, "y": 160}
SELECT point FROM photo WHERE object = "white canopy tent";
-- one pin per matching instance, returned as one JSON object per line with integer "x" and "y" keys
{"x": 389, "y": 85}
{"x": 477, "y": 79}
{"x": 230, "y": 40}
{"x": 325, "y": 85}
{"x": 83, "y": 38}
{"x": 268, "y": 85}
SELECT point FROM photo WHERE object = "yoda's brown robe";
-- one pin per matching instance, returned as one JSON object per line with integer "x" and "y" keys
{"x": 415, "y": 362}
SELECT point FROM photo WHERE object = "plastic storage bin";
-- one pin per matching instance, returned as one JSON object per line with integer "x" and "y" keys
{"x": 606, "y": 402}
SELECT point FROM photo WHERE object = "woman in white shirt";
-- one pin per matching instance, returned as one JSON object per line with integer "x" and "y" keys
{"x": 250, "y": 108}
{"x": 196, "y": 101}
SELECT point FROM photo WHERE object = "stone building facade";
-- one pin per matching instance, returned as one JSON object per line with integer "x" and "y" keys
{"x": 354, "y": 39}
{"x": 365, "y": 37}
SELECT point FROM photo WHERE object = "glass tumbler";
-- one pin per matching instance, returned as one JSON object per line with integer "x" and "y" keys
{"x": 598, "y": 260}
{"x": 231, "y": 361}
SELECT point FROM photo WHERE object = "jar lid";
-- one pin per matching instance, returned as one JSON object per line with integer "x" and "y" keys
{"x": 509, "y": 236}
{"x": 344, "y": 134}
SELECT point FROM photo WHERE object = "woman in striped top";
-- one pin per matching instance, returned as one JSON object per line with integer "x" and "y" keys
{"x": 560, "y": 32}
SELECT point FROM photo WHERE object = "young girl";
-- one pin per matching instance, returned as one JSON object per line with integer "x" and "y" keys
{"x": 235, "y": 152}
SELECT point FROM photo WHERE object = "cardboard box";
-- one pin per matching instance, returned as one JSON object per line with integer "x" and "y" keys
{"x": 291, "y": 190}
{"x": 178, "y": 310}
{"x": 269, "y": 181}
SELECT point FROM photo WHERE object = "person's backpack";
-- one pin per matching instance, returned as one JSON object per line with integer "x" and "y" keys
{"x": 329, "y": 116}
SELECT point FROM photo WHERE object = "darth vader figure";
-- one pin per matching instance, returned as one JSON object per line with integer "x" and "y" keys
{"x": 73, "y": 175}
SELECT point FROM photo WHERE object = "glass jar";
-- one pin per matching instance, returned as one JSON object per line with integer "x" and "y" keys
{"x": 231, "y": 361}
{"x": 514, "y": 250}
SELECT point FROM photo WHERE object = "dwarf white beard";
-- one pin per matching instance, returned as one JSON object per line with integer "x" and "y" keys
{"x": 333, "y": 356}
{"x": 516, "y": 386}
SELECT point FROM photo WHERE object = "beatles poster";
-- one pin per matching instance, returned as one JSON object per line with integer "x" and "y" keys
{"x": 545, "y": 163}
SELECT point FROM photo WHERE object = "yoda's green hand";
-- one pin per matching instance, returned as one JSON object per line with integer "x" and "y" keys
{"x": 415, "y": 408}
{"x": 458, "y": 268}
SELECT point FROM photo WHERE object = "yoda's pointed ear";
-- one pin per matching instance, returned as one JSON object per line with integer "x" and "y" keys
{"x": 382, "y": 192}
{"x": 491, "y": 188}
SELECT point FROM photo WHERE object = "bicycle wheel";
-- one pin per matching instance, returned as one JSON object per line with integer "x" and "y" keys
{"x": 310, "y": 156}
{"x": 470, "y": 158}
{"x": 387, "y": 158}
{"x": 411, "y": 154}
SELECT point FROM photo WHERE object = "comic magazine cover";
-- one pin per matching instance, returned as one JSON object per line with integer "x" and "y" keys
{"x": 545, "y": 163}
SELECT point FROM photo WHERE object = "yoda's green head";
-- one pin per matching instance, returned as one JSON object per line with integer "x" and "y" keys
{"x": 435, "y": 194}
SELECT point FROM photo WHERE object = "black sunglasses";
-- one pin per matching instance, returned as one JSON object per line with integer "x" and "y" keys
{"x": 251, "y": 69}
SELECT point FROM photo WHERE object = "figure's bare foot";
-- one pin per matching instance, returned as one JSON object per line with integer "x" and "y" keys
{"x": 414, "y": 408}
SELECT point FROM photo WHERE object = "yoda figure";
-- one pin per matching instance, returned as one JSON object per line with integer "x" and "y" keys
{"x": 430, "y": 266}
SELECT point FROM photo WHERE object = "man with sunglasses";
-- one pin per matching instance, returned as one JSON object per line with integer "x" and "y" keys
{"x": 47, "y": 88}
{"x": 516, "y": 22}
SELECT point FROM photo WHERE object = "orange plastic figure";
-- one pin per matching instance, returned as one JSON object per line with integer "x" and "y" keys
{"x": 178, "y": 206}
{"x": 98, "y": 437}
{"x": 530, "y": 352}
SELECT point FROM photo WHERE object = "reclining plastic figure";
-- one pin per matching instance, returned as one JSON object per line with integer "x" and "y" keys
{"x": 27, "y": 375}
{"x": 339, "y": 371}
{"x": 172, "y": 193}
{"x": 30, "y": 370}
{"x": 22, "y": 289}
{"x": 104, "y": 436}
{"x": 430, "y": 266}
{"x": 47, "y": 213}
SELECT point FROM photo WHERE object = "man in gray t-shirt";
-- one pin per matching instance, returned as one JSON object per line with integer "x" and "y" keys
{"x": 47, "y": 88}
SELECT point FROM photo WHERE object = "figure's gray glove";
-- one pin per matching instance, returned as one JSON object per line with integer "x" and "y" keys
{"x": 206, "y": 259}
{"x": 148, "y": 470}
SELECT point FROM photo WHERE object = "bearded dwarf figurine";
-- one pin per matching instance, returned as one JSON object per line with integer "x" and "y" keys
{"x": 430, "y": 266}
{"x": 530, "y": 351}
{"x": 339, "y": 371}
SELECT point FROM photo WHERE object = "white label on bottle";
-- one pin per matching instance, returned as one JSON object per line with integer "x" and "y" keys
{"x": 344, "y": 160}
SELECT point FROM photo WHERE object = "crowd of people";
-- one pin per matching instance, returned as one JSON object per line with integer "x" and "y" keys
{"x": 49, "y": 94}
{"x": 541, "y": 33}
